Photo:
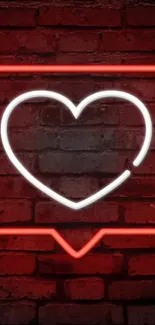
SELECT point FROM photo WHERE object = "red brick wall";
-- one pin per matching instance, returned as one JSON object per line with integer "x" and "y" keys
{"x": 114, "y": 283}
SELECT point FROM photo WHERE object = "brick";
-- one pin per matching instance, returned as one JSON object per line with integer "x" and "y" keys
{"x": 141, "y": 315}
{"x": 84, "y": 289}
{"x": 74, "y": 88}
{"x": 32, "y": 41}
{"x": 80, "y": 58}
{"x": 97, "y": 140}
{"x": 143, "y": 88}
{"x": 78, "y": 187}
{"x": 129, "y": 242}
{"x": 102, "y": 114}
{"x": 81, "y": 162}
{"x": 132, "y": 290}
{"x": 15, "y": 211}
{"x": 27, "y": 243}
{"x": 7, "y": 168}
{"x": 16, "y": 16}
{"x": 122, "y": 138}
{"x": 81, "y": 187}
{"x": 16, "y": 187}
{"x": 17, "y": 313}
{"x": 69, "y": 16}
{"x": 31, "y": 58}
{"x": 24, "y": 287}
{"x": 77, "y": 238}
{"x": 108, "y": 4}
{"x": 89, "y": 264}
{"x": 19, "y": 187}
{"x": 87, "y": 139}
{"x": 27, "y": 189}
{"x": 138, "y": 58}
{"x": 100, "y": 212}
{"x": 129, "y": 116}
{"x": 34, "y": 140}
{"x": 128, "y": 40}
{"x": 140, "y": 16}
{"x": 139, "y": 140}
{"x": 10, "y": 89}
{"x": 78, "y": 41}
{"x": 141, "y": 265}
{"x": 139, "y": 2}
{"x": 138, "y": 213}
{"x": 147, "y": 166}
{"x": 20, "y": 58}
{"x": 26, "y": 115}
{"x": 17, "y": 263}
{"x": 135, "y": 187}
{"x": 80, "y": 314}
{"x": 50, "y": 115}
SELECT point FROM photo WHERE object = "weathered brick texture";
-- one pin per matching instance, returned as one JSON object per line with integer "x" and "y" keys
{"x": 39, "y": 283}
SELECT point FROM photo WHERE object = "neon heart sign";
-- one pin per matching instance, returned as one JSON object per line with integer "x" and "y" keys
{"x": 99, "y": 68}
{"x": 76, "y": 111}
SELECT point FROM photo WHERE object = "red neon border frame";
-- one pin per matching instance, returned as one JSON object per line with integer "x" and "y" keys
{"x": 77, "y": 68}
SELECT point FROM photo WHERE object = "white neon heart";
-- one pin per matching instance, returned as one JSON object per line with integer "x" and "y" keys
{"x": 76, "y": 111}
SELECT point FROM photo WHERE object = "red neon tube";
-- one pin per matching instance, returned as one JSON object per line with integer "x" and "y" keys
{"x": 77, "y": 68}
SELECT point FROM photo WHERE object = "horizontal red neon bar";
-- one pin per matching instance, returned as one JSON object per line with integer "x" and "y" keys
{"x": 77, "y": 68}
{"x": 88, "y": 246}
